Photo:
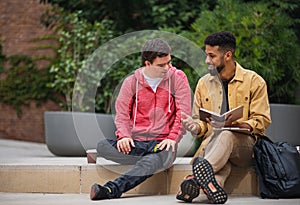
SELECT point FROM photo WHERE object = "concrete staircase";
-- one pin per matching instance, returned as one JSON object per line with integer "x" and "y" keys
{"x": 75, "y": 175}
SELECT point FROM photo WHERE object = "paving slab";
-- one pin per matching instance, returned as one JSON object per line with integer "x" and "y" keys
{"x": 13, "y": 152}
{"x": 80, "y": 199}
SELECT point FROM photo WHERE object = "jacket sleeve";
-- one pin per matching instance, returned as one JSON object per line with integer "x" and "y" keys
{"x": 259, "y": 109}
{"x": 197, "y": 104}
{"x": 182, "y": 104}
{"x": 124, "y": 103}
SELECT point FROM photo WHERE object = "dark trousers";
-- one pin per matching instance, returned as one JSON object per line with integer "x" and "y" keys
{"x": 144, "y": 158}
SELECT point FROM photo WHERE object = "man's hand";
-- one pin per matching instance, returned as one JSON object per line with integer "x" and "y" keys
{"x": 124, "y": 145}
{"x": 228, "y": 123}
{"x": 219, "y": 124}
{"x": 189, "y": 124}
{"x": 166, "y": 144}
{"x": 243, "y": 125}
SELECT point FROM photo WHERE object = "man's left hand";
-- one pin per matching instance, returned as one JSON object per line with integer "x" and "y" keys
{"x": 166, "y": 144}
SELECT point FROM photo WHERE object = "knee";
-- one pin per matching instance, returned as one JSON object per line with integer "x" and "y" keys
{"x": 226, "y": 137}
{"x": 227, "y": 134}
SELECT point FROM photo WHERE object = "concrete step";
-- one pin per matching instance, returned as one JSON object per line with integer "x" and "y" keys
{"x": 75, "y": 175}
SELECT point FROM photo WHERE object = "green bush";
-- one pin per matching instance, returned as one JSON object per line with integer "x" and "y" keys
{"x": 266, "y": 42}
{"x": 133, "y": 15}
{"x": 265, "y": 35}
{"x": 77, "y": 40}
{"x": 21, "y": 82}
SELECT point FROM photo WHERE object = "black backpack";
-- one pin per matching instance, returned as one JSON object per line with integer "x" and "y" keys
{"x": 278, "y": 167}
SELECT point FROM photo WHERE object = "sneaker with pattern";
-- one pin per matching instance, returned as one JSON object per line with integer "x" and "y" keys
{"x": 205, "y": 177}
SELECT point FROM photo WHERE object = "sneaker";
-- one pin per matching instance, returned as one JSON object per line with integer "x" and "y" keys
{"x": 189, "y": 189}
{"x": 99, "y": 192}
{"x": 205, "y": 177}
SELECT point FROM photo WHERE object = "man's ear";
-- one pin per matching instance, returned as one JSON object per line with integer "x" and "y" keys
{"x": 228, "y": 55}
{"x": 147, "y": 63}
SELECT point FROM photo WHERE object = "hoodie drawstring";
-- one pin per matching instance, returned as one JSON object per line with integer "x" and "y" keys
{"x": 136, "y": 101}
{"x": 169, "y": 91}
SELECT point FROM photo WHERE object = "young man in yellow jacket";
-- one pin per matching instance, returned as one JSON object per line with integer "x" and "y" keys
{"x": 227, "y": 86}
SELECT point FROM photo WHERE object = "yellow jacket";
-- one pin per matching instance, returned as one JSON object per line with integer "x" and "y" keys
{"x": 246, "y": 88}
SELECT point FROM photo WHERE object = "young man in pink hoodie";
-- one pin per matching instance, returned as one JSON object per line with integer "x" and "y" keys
{"x": 148, "y": 113}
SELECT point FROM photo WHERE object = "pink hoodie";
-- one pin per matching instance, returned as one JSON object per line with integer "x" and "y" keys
{"x": 149, "y": 115}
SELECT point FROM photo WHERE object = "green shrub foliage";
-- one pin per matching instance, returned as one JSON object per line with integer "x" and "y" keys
{"x": 266, "y": 42}
{"x": 77, "y": 40}
{"x": 21, "y": 82}
{"x": 266, "y": 33}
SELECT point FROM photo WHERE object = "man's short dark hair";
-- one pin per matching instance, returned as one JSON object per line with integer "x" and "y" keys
{"x": 224, "y": 39}
{"x": 155, "y": 48}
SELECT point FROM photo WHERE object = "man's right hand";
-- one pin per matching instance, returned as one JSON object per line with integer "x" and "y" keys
{"x": 189, "y": 124}
{"x": 124, "y": 145}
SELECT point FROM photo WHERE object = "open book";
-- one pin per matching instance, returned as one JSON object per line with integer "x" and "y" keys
{"x": 236, "y": 113}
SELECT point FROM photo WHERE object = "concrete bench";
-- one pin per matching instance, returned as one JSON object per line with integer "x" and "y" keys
{"x": 241, "y": 182}
{"x": 65, "y": 142}
{"x": 74, "y": 175}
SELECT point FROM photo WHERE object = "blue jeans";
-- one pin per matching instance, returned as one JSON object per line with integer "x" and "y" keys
{"x": 144, "y": 159}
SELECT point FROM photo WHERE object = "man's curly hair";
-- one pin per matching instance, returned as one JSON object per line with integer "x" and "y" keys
{"x": 224, "y": 39}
